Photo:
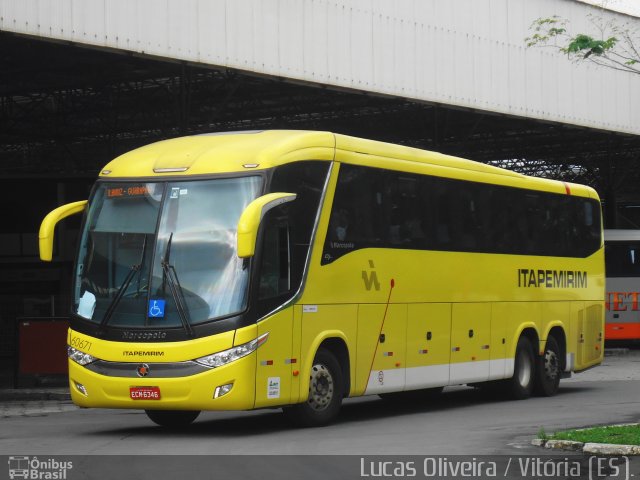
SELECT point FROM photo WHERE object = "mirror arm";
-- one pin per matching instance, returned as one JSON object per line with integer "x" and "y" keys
{"x": 47, "y": 227}
{"x": 249, "y": 221}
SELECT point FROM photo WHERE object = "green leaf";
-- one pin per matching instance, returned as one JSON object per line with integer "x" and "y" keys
{"x": 590, "y": 46}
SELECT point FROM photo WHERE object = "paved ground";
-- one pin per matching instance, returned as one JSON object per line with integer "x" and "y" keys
{"x": 34, "y": 408}
{"x": 619, "y": 364}
{"x": 34, "y": 402}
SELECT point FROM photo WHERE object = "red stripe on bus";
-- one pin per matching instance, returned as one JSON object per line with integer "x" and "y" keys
{"x": 622, "y": 331}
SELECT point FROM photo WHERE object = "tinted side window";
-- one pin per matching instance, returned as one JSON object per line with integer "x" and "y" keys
{"x": 622, "y": 259}
{"x": 388, "y": 209}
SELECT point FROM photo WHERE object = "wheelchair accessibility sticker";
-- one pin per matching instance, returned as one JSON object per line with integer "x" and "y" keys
{"x": 156, "y": 308}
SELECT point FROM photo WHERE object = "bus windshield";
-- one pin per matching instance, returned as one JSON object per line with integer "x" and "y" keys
{"x": 163, "y": 254}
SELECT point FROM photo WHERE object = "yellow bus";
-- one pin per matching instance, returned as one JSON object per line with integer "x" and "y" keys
{"x": 292, "y": 269}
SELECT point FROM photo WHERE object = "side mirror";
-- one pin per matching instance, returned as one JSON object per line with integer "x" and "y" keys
{"x": 45, "y": 237}
{"x": 249, "y": 221}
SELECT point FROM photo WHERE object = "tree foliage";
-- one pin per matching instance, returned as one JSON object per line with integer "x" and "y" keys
{"x": 612, "y": 44}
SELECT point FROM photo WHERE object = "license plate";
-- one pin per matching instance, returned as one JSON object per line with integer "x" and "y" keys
{"x": 144, "y": 393}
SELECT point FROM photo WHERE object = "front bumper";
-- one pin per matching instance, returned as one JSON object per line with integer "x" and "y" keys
{"x": 192, "y": 392}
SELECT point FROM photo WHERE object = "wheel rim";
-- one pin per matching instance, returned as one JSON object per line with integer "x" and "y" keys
{"x": 525, "y": 369}
{"x": 551, "y": 365}
{"x": 320, "y": 387}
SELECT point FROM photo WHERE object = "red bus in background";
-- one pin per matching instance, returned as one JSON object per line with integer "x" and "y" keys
{"x": 622, "y": 259}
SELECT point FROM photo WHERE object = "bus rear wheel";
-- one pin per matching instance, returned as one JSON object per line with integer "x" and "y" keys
{"x": 548, "y": 370}
{"x": 325, "y": 393}
{"x": 520, "y": 385}
{"x": 172, "y": 418}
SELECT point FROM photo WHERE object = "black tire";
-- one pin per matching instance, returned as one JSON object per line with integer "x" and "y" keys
{"x": 548, "y": 370}
{"x": 172, "y": 418}
{"x": 326, "y": 389}
{"x": 520, "y": 385}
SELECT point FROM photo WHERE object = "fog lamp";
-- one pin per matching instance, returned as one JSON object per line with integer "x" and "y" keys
{"x": 81, "y": 388}
{"x": 222, "y": 390}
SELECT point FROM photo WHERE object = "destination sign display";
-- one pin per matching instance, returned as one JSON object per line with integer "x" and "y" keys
{"x": 126, "y": 191}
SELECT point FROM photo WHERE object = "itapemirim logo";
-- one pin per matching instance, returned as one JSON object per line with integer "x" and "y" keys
{"x": 36, "y": 469}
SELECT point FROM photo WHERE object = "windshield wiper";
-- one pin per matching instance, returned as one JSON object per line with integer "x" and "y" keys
{"x": 123, "y": 288}
{"x": 171, "y": 277}
{"x": 144, "y": 249}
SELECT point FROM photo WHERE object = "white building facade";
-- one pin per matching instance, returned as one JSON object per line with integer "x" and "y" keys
{"x": 467, "y": 53}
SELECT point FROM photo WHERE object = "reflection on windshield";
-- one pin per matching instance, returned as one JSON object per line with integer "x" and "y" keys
{"x": 200, "y": 218}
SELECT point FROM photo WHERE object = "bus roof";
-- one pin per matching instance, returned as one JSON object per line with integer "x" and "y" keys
{"x": 229, "y": 152}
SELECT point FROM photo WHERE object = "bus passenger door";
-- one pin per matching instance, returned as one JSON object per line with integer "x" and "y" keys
{"x": 470, "y": 342}
{"x": 274, "y": 357}
{"x": 428, "y": 341}
{"x": 381, "y": 348}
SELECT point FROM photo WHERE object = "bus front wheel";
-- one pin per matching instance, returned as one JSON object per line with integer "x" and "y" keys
{"x": 548, "y": 370}
{"x": 172, "y": 418}
{"x": 520, "y": 385}
{"x": 325, "y": 393}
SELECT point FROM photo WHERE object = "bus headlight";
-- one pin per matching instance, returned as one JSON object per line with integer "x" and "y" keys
{"x": 79, "y": 357}
{"x": 227, "y": 356}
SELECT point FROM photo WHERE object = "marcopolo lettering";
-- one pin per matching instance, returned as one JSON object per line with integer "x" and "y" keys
{"x": 538, "y": 278}
{"x": 153, "y": 335}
